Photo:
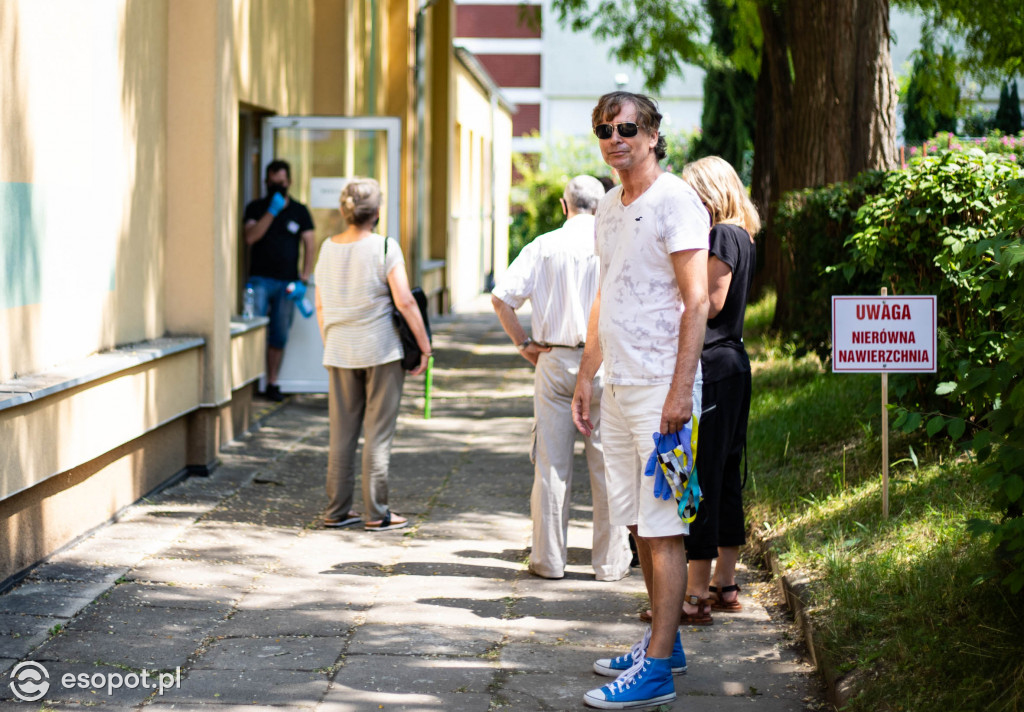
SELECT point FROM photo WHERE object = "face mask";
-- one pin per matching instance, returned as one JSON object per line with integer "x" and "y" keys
{"x": 277, "y": 188}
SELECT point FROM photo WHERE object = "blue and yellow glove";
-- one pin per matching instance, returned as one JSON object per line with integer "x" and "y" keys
{"x": 672, "y": 464}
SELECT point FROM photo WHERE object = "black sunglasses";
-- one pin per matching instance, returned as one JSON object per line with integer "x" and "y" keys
{"x": 627, "y": 129}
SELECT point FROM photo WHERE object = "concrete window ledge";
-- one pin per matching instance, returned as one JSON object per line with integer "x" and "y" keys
{"x": 70, "y": 375}
{"x": 241, "y": 326}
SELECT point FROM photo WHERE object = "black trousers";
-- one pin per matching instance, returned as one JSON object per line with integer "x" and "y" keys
{"x": 721, "y": 436}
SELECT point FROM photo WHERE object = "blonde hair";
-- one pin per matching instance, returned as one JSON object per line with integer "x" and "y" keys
{"x": 722, "y": 192}
{"x": 360, "y": 201}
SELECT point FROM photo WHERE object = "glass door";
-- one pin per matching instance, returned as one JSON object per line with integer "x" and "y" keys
{"x": 325, "y": 152}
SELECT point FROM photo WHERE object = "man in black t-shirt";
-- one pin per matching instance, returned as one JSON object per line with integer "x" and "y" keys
{"x": 274, "y": 228}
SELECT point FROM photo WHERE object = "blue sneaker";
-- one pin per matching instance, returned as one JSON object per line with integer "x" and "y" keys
{"x": 613, "y": 667}
{"x": 646, "y": 684}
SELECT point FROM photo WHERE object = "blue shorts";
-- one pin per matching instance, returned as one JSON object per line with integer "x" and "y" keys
{"x": 273, "y": 301}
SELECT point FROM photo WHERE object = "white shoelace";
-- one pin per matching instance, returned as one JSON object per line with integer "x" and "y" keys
{"x": 627, "y": 678}
{"x": 639, "y": 653}
{"x": 640, "y": 649}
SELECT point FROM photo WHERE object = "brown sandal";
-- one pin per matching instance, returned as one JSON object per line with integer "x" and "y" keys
{"x": 647, "y": 616}
{"x": 720, "y": 604}
{"x": 703, "y": 615}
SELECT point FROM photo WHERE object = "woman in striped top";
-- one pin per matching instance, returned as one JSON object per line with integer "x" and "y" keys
{"x": 358, "y": 273}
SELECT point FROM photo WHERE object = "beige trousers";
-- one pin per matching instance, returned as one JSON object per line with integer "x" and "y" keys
{"x": 364, "y": 399}
{"x": 554, "y": 438}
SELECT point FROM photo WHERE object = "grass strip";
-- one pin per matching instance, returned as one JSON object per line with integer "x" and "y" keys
{"x": 910, "y": 607}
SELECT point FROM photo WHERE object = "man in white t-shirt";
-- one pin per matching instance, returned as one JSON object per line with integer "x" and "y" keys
{"x": 647, "y": 328}
{"x": 558, "y": 273}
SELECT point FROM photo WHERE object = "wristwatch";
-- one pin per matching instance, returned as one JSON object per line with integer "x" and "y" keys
{"x": 524, "y": 343}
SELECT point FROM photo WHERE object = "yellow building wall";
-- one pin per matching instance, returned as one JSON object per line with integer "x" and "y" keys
{"x": 478, "y": 240}
{"x": 274, "y": 54}
{"x": 502, "y": 189}
{"x": 82, "y": 176}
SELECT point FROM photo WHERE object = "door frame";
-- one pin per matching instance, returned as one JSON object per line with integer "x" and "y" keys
{"x": 391, "y": 125}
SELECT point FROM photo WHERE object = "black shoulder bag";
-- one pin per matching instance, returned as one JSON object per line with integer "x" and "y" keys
{"x": 411, "y": 352}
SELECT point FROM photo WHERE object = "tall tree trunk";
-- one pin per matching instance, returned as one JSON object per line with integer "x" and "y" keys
{"x": 833, "y": 99}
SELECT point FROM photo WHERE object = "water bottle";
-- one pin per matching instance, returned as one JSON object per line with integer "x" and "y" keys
{"x": 249, "y": 303}
{"x": 296, "y": 291}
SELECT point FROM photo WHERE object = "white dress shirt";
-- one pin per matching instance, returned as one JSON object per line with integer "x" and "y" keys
{"x": 558, "y": 272}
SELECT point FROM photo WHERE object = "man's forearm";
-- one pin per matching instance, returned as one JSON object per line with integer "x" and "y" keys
{"x": 254, "y": 231}
{"x": 309, "y": 247}
{"x": 692, "y": 326}
{"x": 592, "y": 357}
{"x": 509, "y": 320}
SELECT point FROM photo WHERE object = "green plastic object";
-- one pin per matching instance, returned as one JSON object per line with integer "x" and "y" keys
{"x": 427, "y": 387}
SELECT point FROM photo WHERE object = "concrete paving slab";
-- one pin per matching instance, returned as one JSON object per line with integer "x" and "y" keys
{"x": 288, "y": 688}
{"x": 134, "y": 651}
{"x": 219, "y": 574}
{"x": 19, "y": 645}
{"x": 57, "y": 570}
{"x": 342, "y": 698}
{"x": 547, "y": 691}
{"x": 327, "y": 622}
{"x": 273, "y": 653}
{"x": 50, "y": 598}
{"x": 549, "y": 659}
{"x": 109, "y": 552}
{"x": 416, "y": 675}
{"x": 457, "y": 613}
{"x": 116, "y": 618}
{"x": 204, "y": 599}
{"x": 383, "y": 639}
{"x": 21, "y": 624}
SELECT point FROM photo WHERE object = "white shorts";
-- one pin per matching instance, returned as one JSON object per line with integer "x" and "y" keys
{"x": 630, "y": 415}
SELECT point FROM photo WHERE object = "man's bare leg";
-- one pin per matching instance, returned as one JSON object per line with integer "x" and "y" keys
{"x": 274, "y": 357}
{"x": 663, "y": 562}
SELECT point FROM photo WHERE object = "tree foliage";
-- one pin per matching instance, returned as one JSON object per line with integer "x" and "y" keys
{"x": 992, "y": 32}
{"x": 727, "y": 121}
{"x": 932, "y": 94}
{"x": 1007, "y": 118}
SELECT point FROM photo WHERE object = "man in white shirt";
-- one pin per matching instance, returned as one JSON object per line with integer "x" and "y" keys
{"x": 647, "y": 328}
{"x": 558, "y": 273}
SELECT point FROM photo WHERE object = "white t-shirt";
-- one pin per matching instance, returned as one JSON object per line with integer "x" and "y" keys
{"x": 351, "y": 279}
{"x": 640, "y": 302}
{"x": 558, "y": 273}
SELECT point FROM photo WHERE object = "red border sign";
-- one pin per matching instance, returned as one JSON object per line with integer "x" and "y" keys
{"x": 883, "y": 334}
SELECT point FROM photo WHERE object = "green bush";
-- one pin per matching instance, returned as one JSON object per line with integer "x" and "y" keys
{"x": 813, "y": 225}
{"x": 952, "y": 225}
{"x": 542, "y": 179}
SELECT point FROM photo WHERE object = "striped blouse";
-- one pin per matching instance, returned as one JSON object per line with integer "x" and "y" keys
{"x": 356, "y": 301}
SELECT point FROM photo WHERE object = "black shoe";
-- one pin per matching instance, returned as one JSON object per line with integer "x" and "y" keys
{"x": 274, "y": 393}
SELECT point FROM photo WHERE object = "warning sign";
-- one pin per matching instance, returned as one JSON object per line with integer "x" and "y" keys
{"x": 883, "y": 334}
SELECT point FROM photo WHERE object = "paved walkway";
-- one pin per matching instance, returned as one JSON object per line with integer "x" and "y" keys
{"x": 225, "y": 589}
